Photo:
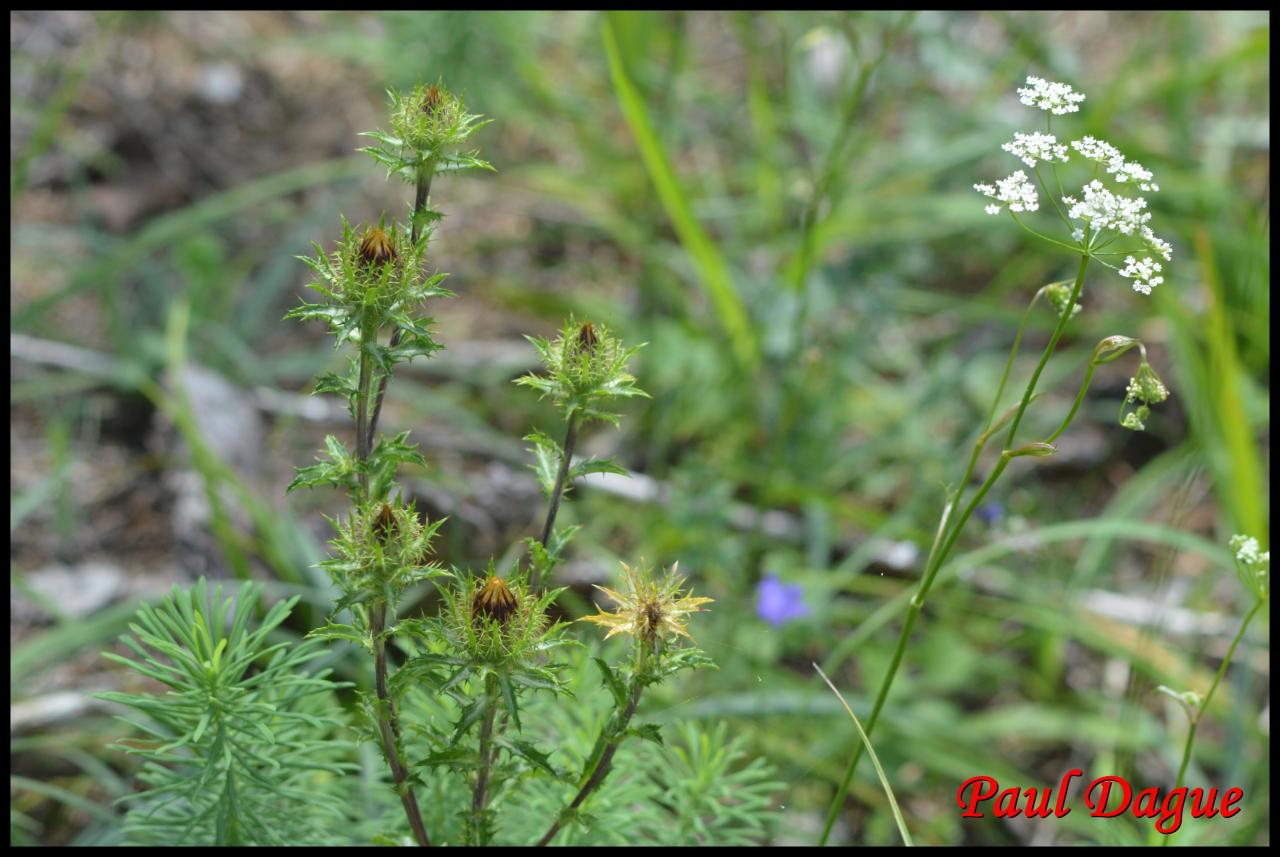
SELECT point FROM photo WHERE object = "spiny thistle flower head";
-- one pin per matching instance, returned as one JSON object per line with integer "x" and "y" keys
{"x": 495, "y": 620}
{"x": 380, "y": 551}
{"x": 1097, "y": 216}
{"x": 1253, "y": 565}
{"x": 648, "y": 608}
{"x": 585, "y": 367}
{"x": 428, "y": 125}
{"x": 375, "y": 275}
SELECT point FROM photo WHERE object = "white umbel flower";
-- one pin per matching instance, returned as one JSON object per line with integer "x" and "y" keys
{"x": 1057, "y": 98}
{"x": 1140, "y": 175}
{"x": 1032, "y": 148}
{"x": 1246, "y": 548}
{"x": 1164, "y": 248}
{"x": 1145, "y": 273}
{"x": 1093, "y": 149}
{"x": 1102, "y": 209}
{"x": 1016, "y": 191}
{"x": 1252, "y": 564}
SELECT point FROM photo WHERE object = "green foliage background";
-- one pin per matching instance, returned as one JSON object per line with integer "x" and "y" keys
{"x": 781, "y": 206}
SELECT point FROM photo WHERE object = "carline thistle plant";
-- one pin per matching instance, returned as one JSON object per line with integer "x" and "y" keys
{"x": 452, "y": 693}
{"x": 1104, "y": 222}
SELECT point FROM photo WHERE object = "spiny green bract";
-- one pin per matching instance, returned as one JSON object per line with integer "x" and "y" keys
{"x": 427, "y": 125}
{"x": 586, "y": 366}
{"x": 365, "y": 290}
{"x": 516, "y": 638}
{"x": 379, "y": 552}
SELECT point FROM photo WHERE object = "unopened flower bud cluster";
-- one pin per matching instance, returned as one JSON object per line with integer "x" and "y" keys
{"x": 1145, "y": 389}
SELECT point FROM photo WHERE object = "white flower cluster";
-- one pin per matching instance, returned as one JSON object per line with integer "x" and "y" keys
{"x": 1096, "y": 209}
{"x": 1016, "y": 191}
{"x": 1252, "y": 565}
{"x": 1246, "y": 550}
{"x": 1146, "y": 387}
{"x": 1102, "y": 209}
{"x": 1145, "y": 273}
{"x": 1036, "y": 147}
{"x": 1109, "y": 156}
{"x": 1057, "y": 98}
{"x": 1164, "y": 248}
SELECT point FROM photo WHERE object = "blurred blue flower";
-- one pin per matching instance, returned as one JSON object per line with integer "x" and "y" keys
{"x": 990, "y": 513}
{"x": 778, "y": 603}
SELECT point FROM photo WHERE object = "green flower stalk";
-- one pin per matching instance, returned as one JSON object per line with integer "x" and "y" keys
{"x": 464, "y": 679}
{"x": 1098, "y": 225}
{"x": 653, "y": 611}
{"x": 374, "y": 280}
{"x": 585, "y": 369}
{"x": 1253, "y": 567}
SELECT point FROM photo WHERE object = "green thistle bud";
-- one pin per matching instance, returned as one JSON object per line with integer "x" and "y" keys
{"x": 585, "y": 367}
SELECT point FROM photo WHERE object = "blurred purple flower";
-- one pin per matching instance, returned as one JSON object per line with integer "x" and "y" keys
{"x": 991, "y": 513}
{"x": 778, "y": 603}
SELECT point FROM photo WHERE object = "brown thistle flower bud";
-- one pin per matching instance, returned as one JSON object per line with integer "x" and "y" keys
{"x": 384, "y": 525}
{"x": 652, "y": 621}
{"x": 376, "y": 247}
{"x": 432, "y": 100}
{"x": 587, "y": 337}
{"x": 495, "y": 600}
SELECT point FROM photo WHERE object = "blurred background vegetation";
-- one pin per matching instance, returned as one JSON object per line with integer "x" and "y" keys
{"x": 781, "y": 206}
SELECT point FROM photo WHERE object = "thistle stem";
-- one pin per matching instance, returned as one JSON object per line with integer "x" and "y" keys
{"x": 566, "y": 459}
{"x": 595, "y": 773}
{"x": 422, "y": 189}
{"x": 1204, "y": 704}
{"x": 389, "y": 727}
{"x": 942, "y": 548}
{"x": 362, "y": 415}
{"x": 479, "y": 795}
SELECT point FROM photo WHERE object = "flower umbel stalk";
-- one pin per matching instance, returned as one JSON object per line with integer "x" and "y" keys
{"x": 948, "y": 534}
{"x": 1254, "y": 569}
{"x": 1198, "y": 714}
{"x": 1094, "y": 221}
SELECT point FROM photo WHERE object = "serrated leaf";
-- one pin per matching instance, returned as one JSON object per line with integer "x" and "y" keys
{"x": 613, "y": 683}
{"x": 509, "y": 699}
{"x": 597, "y": 465}
{"x": 532, "y": 755}
{"x": 649, "y": 732}
{"x": 546, "y": 464}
